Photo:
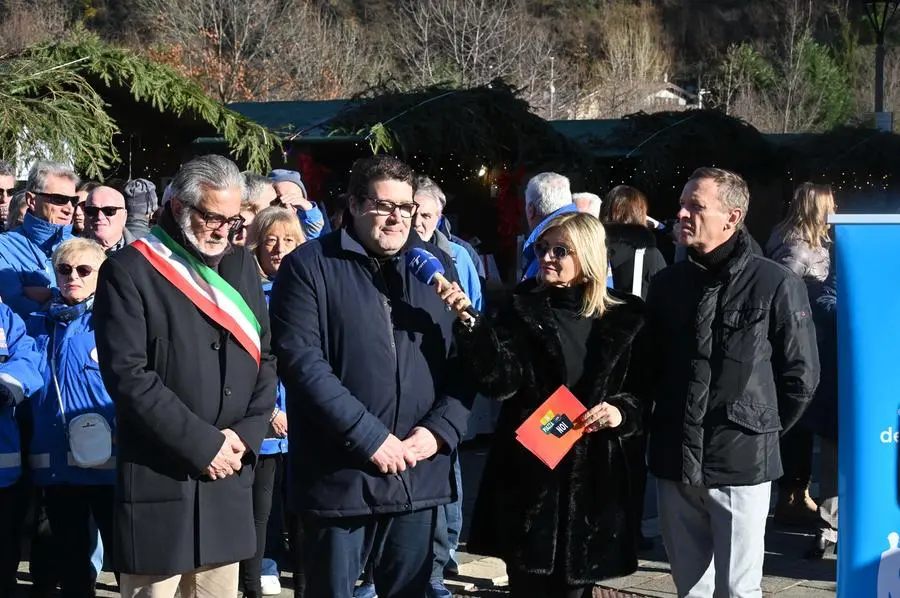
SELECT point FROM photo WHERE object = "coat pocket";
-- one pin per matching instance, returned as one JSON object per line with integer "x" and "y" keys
{"x": 744, "y": 331}
{"x": 754, "y": 417}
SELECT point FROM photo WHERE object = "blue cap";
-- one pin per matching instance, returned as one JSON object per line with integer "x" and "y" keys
{"x": 282, "y": 175}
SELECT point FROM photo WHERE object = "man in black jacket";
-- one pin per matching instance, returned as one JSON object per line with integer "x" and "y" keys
{"x": 735, "y": 365}
{"x": 363, "y": 352}
{"x": 183, "y": 345}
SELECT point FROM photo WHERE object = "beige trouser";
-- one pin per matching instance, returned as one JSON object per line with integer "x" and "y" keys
{"x": 208, "y": 582}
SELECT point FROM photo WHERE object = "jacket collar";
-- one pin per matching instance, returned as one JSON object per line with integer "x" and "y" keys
{"x": 350, "y": 243}
{"x": 44, "y": 234}
{"x": 739, "y": 258}
{"x": 442, "y": 242}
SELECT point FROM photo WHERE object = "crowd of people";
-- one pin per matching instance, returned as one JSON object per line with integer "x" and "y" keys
{"x": 197, "y": 391}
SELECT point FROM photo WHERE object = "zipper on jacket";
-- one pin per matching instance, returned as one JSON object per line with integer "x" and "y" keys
{"x": 386, "y": 302}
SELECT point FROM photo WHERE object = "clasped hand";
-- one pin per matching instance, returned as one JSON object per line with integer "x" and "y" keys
{"x": 395, "y": 455}
{"x": 228, "y": 460}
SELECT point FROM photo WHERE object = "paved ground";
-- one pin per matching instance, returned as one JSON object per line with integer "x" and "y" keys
{"x": 787, "y": 574}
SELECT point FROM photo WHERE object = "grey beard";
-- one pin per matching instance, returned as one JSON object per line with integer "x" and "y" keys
{"x": 184, "y": 223}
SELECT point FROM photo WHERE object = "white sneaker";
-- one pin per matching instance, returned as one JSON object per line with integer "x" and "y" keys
{"x": 271, "y": 586}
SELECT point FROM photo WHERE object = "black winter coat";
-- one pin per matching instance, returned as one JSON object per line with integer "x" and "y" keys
{"x": 623, "y": 241}
{"x": 734, "y": 364}
{"x": 363, "y": 351}
{"x": 176, "y": 379}
{"x": 527, "y": 514}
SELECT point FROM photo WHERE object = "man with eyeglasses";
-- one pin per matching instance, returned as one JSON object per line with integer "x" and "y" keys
{"x": 26, "y": 271}
{"x": 104, "y": 216}
{"x": 363, "y": 351}
{"x": 183, "y": 347}
{"x": 7, "y": 186}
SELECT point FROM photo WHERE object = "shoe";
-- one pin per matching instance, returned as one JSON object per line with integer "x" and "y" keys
{"x": 438, "y": 590}
{"x": 797, "y": 509}
{"x": 820, "y": 547}
{"x": 366, "y": 590}
{"x": 271, "y": 585}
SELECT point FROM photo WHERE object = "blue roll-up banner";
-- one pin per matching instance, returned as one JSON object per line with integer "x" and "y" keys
{"x": 868, "y": 278}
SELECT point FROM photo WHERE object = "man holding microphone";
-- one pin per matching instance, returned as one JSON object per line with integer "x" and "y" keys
{"x": 364, "y": 354}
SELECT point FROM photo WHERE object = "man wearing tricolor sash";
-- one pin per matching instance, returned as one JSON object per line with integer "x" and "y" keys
{"x": 183, "y": 344}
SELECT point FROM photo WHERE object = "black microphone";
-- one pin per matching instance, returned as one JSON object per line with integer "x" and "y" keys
{"x": 428, "y": 269}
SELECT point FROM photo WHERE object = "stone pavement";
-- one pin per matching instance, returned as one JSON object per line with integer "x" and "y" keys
{"x": 787, "y": 574}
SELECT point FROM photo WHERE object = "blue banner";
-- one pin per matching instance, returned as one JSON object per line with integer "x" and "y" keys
{"x": 868, "y": 277}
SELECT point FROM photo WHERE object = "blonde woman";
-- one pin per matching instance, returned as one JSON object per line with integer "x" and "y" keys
{"x": 74, "y": 399}
{"x": 801, "y": 241}
{"x": 559, "y": 530}
{"x": 273, "y": 234}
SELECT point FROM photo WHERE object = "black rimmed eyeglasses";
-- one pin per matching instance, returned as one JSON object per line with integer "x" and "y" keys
{"x": 214, "y": 221}
{"x": 384, "y": 207}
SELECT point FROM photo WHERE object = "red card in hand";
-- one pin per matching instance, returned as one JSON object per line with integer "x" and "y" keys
{"x": 549, "y": 432}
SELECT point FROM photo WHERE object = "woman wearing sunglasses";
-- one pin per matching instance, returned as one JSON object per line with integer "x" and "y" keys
{"x": 72, "y": 457}
{"x": 559, "y": 530}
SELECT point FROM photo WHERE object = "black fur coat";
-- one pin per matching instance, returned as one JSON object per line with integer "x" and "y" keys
{"x": 580, "y": 513}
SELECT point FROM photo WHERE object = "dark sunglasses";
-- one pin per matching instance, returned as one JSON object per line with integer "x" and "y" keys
{"x": 66, "y": 270}
{"x": 94, "y": 211}
{"x": 215, "y": 221}
{"x": 58, "y": 199}
{"x": 7, "y": 192}
{"x": 557, "y": 252}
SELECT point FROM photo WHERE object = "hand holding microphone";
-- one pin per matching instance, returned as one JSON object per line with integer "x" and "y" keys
{"x": 428, "y": 269}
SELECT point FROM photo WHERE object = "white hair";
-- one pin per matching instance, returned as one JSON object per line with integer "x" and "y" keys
{"x": 37, "y": 176}
{"x": 593, "y": 201}
{"x": 547, "y": 192}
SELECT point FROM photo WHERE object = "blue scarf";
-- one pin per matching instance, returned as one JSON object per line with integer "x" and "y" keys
{"x": 63, "y": 313}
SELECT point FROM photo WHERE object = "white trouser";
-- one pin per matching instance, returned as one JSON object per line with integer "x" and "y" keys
{"x": 715, "y": 538}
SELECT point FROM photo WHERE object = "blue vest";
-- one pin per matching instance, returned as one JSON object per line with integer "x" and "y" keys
{"x": 19, "y": 368}
{"x": 73, "y": 348}
{"x": 273, "y": 446}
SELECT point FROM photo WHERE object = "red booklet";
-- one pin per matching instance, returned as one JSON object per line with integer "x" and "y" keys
{"x": 549, "y": 432}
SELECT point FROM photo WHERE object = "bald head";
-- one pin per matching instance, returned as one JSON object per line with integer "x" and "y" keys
{"x": 104, "y": 216}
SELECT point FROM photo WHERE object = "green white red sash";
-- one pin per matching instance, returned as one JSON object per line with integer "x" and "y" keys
{"x": 203, "y": 287}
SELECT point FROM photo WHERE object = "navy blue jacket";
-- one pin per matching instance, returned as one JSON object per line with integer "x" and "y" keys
{"x": 363, "y": 350}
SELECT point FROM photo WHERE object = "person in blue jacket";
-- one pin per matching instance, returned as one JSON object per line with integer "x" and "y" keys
{"x": 275, "y": 232}
{"x": 291, "y": 191}
{"x": 26, "y": 275}
{"x": 19, "y": 378}
{"x": 72, "y": 452}
{"x": 547, "y": 194}
{"x": 376, "y": 407}
{"x": 431, "y": 202}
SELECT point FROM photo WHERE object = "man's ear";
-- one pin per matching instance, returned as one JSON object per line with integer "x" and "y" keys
{"x": 735, "y": 216}
{"x": 177, "y": 206}
{"x": 30, "y": 200}
{"x": 354, "y": 207}
{"x": 529, "y": 213}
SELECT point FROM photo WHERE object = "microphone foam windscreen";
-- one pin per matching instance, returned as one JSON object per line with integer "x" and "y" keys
{"x": 423, "y": 264}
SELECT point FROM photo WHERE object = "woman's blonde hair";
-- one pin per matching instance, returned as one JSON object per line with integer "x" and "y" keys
{"x": 807, "y": 217}
{"x": 264, "y": 222}
{"x": 77, "y": 247}
{"x": 588, "y": 239}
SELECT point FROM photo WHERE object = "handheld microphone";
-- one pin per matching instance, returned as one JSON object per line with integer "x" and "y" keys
{"x": 428, "y": 269}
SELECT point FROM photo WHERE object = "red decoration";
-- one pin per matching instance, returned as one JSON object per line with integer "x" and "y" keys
{"x": 510, "y": 211}
{"x": 314, "y": 175}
